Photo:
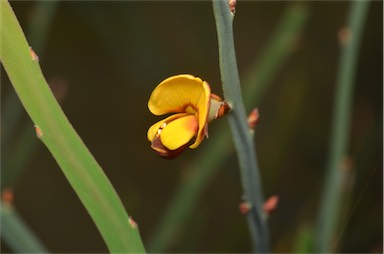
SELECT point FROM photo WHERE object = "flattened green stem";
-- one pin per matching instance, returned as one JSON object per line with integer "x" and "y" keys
{"x": 329, "y": 212}
{"x": 250, "y": 177}
{"x": 78, "y": 165}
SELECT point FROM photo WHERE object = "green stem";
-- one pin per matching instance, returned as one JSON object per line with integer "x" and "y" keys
{"x": 340, "y": 130}
{"x": 16, "y": 233}
{"x": 250, "y": 177}
{"x": 77, "y": 163}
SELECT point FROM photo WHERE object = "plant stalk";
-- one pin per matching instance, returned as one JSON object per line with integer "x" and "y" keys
{"x": 250, "y": 176}
{"x": 329, "y": 211}
{"x": 16, "y": 233}
{"x": 55, "y": 131}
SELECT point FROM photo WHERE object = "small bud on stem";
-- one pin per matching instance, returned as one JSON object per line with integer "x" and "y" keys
{"x": 39, "y": 132}
{"x": 132, "y": 222}
{"x": 270, "y": 204}
{"x": 244, "y": 207}
{"x": 7, "y": 195}
{"x": 253, "y": 118}
{"x": 232, "y": 6}
{"x": 33, "y": 55}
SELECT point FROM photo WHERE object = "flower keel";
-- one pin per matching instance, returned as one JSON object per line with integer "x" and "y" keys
{"x": 164, "y": 152}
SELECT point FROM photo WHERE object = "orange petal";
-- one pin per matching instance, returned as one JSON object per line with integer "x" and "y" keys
{"x": 179, "y": 132}
{"x": 176, "y": 93}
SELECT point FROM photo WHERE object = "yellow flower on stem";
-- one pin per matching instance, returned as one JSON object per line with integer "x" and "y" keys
{"x": 193, "y": 106}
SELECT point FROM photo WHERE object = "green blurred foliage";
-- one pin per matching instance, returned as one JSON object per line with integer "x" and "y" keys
{"x": 104, "y": 58}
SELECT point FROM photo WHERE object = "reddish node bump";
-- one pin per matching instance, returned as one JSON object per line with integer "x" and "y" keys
{"x": 344, "y": 35}
{"x": 346, "y": 164}
{"x": 7, "y": 195}
{"x": 232, "y": 6}
{"x": 244, "y": 208}
{"x": 33, "y": 55}
{"x": 39, "y": 132}
{"x": 270, "y": 204}
{"x": 132, "y": 222}
{"x": 253, "y": 118}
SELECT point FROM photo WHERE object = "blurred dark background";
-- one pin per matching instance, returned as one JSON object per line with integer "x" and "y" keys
{"x": 104, "y": 58}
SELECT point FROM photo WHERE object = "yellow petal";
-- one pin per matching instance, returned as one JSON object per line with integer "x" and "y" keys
{"x": 179, "y": 132}
{"x": 203, "y": 108}
{"x": 154, "y": 129}
{"x": 176, "y": 94}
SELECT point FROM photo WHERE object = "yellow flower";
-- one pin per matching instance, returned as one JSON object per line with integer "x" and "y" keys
{"x": 193, "y": 105}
